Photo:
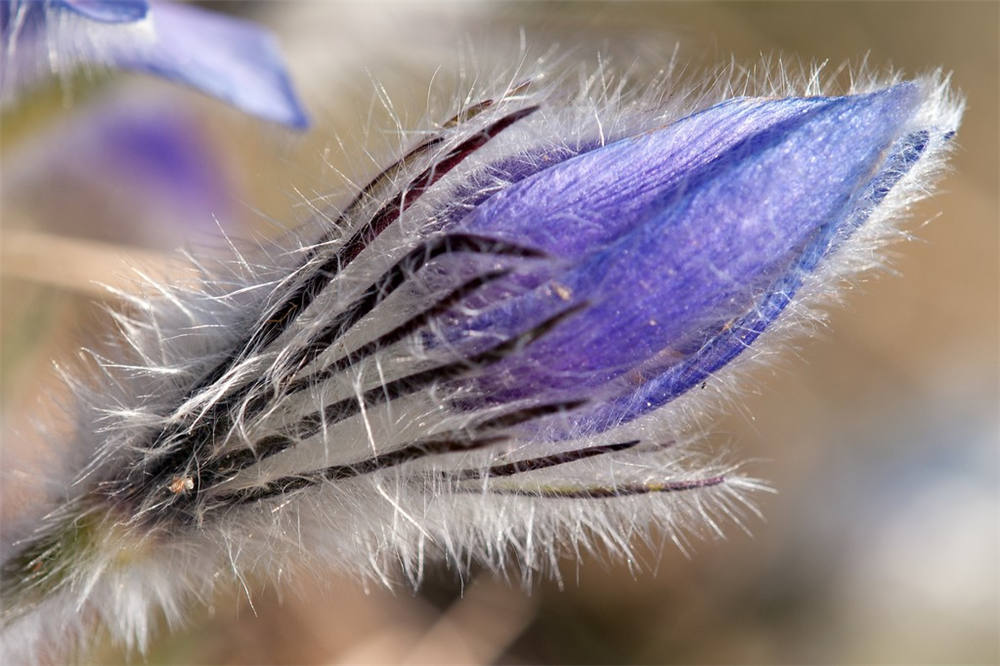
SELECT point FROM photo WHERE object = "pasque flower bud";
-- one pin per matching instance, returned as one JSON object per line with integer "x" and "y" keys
{"x": 494, "y": 353}
{"x": 684, "y": 243}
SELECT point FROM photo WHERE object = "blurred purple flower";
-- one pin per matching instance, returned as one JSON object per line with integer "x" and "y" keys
{"x": 228, "y": 58}
{"x": 130, "y": 169}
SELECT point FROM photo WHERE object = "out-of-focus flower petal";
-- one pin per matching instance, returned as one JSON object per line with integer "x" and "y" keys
{"x": 114, "y": 11}
{"x": 231, "y": 59}
{"x": 126, "y": 169}
{"x": 228, "y": 58}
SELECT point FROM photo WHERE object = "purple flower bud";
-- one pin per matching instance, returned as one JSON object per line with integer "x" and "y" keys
{"x": 683, "y": 244}
{"x": 490, "y": 350}
{"x": 233, "y": 60}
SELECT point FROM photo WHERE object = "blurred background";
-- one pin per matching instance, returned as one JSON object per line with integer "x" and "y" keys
{"x": 881, "y": 436}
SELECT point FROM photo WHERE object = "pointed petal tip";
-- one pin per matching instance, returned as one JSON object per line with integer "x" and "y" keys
{"x": 237, "y": 61}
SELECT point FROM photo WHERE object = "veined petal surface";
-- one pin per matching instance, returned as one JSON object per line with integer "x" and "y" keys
{"x": 673, "y": 237}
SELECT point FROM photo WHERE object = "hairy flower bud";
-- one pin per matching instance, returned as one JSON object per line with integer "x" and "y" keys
{"x": 684, "y": 243}
{"x": 488, "y": 355}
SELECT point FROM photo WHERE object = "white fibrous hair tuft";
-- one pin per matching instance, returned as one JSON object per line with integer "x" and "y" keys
{"x": 295, "y": 408}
